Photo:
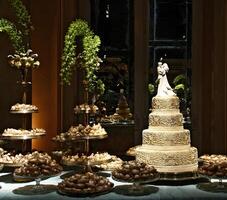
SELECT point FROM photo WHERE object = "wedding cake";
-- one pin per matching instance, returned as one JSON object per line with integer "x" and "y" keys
{"x": 166, "y": 144}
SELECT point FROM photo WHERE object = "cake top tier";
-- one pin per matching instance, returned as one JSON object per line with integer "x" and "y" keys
{"x": 165, "y": 102}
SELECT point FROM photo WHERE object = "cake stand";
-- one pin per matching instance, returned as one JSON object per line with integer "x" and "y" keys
{"x": 214, "y": 186}
{"x": 179, "y": 176}
{"x": 37, "y": 188}
{"x": 86, "y": 141}
{"x": 87, "y": 147}
{"x": 86, "y": 110}
{"x": 26, "y": 139}
{"x": 84, "y": 194}
{"x": 23, "y": 138}
{"x": 137, "y": 187}
{"x": 8, "y": 164}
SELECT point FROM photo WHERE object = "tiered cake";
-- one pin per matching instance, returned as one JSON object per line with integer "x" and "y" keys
{"x": 166, "y": 144}
{"x": 123, "y": 110}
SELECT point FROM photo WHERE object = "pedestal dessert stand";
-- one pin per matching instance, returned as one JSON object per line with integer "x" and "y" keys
{"x": 215, "y": 185}
{"x": 87, "y": 164}
{"x": 137, "y": 187}
{"x": 85, "y": 110}
{"x": 37, "y": 188}
{"x": 26, "y": 139}
{"x": 179, "y": 176}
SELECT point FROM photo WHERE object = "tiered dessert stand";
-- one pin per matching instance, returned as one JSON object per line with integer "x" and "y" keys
{"x": 25, "y": 138}
{"x": 86, "y": 111}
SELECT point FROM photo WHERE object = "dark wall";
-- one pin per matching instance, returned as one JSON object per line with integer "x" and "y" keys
{"x": 209, "y": 76}
{"x": 46, "y": 41}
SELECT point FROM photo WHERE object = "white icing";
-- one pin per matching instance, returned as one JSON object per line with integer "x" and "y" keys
{"x": 166, "y": 137}
{"x": 151, "y": 148}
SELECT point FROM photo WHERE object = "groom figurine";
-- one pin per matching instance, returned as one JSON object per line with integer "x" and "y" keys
{"x": 164, "y": 89}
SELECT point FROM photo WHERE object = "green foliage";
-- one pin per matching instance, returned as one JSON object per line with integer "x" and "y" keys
{"x": 18, "y": 36}
{"x": 24, "y": 19}
{"x": 180, "y": 85}
{"x": 180, "y": 79}
{"x": 151, "y": 88}
{"x": 14, "y": 35}
{"x": 88, "y": 59}
{"x": 182, "y": 89}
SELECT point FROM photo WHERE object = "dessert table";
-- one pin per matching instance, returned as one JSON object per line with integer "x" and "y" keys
{"x": 11, "y": 190}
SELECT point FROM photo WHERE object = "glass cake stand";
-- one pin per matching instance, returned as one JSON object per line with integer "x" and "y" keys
{"x": 215, "y": 185}
{"x": 137, "y": 187}
{"x": 86, "y": 164}
{"x": 85, "y": 194}
{"x": 36, "y": 189}
{"x": 23, "y": 138}
{"x": 25, "y": 111}
{"x": 179, "y": 176}
{"x": 86, "y": 140}
{"x": 8, "y": 164}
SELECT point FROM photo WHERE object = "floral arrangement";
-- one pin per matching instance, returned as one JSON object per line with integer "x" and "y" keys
{"x": 87, "y": 59}
{"x": 19, "y": 37}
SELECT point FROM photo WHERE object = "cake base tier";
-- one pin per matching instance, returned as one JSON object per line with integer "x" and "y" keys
{"x": 169, "y": 161}
{"x": 163, "y": 137}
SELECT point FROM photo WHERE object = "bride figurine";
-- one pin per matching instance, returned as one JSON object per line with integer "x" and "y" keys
{"x": 164, "y": 89}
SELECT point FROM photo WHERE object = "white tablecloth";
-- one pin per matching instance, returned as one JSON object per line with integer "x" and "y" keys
{"x": 9, "y": 191}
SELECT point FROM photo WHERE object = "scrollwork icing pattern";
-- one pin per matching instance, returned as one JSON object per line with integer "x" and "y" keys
{"x": 168, "y": 158}
{"x": 166, "y": 129}
{"x": 165, "y": 120}
{"x": 165, "y": 138}
{"x": 165, "y": 103}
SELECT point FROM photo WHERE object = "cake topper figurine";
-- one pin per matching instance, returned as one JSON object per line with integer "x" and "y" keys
{"x": 164, "y": 89}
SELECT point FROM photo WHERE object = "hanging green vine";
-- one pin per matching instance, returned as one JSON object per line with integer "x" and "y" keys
{"x": 87, "y": 59}
{"x": 24, "y": 19}
{"x": 18, "y": 36}
{"x": 14, "y": 35}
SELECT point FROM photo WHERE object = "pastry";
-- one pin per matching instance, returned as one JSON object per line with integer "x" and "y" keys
{"x": 114, "y": 163}
{"x": 80, "y": 131}
{"x": 88, "y": 183}
{"x": 93, "y": 159}
{"x": 213, "y": 165}
{"x": 38, "y": 164}
{"x": 24, "y": 107}
{"x": 134, "y": 171}
{"x": 22, "y": 132}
